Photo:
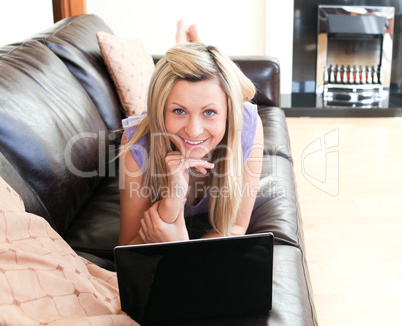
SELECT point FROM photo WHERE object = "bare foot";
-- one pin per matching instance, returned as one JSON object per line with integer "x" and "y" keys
{"x": 186, "y": 33}
{"x": 193, "y": 34}
{"x": 182, "y": 32}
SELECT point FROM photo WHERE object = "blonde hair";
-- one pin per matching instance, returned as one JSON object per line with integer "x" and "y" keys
{"x": 197, "y": 62}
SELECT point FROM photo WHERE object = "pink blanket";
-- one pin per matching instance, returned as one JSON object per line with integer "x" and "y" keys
{"x": 43, "y": 281}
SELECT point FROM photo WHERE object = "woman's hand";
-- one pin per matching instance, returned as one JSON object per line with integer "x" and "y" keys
{"x": 178, "y": 178}
{"x": 154, "y": 229}
{"x": 178, "y": 173}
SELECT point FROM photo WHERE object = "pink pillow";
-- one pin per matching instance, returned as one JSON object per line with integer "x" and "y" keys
{"x": 42, "y": 279}
{"x": 131, "y": 67}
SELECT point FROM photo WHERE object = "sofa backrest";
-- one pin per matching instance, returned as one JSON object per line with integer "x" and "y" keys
{"x": 264, "y": 72}
{"x": 55, "y": 115}
{"x": 74, "y": 41}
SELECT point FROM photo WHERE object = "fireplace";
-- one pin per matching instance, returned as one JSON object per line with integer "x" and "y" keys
{"x": 354, "y": 56}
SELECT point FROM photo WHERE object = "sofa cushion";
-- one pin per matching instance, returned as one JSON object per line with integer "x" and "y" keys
{"x": 276, "y": 208}
{"x": 276, "y": 135}
{"x": 74, "y": 41}
{"x": 56, "y": 142}
{"x": 131, "y": 67}
{"x": 96, "y": 229}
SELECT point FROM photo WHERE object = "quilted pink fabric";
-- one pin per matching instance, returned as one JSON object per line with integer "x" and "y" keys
{"x": 131, "y": 67}
{"x": 43, "y": 281}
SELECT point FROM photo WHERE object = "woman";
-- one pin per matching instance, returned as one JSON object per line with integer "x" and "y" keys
{"x": 197, "y": 149}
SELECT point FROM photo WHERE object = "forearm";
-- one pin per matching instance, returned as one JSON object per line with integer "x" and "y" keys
{"x": 169, "y": 209}
{"x": 235, "y": 230}
{"x": 136, "y": 240}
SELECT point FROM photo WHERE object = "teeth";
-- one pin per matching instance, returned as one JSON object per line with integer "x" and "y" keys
{"x": 193, "y": 142}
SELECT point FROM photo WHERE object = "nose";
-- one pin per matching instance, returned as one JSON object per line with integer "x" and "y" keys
{"x": 194, "y": 127}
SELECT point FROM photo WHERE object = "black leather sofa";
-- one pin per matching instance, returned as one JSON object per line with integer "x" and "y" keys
{"x": 58, "y": 113}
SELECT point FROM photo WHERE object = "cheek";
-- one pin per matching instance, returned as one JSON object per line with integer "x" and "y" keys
{"x": 169, "y": 125}
{"x": 219, "y": 129}
{"x": 172, "y": 129}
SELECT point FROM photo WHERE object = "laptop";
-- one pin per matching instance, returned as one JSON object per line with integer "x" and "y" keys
{"x": 197, "y": 279}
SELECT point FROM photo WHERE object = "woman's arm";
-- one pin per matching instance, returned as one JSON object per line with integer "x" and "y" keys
{"x": 178, "y": 170}
{"x": 139, "y": 220}
{"x": 251, "y": 178}
{"x": 136, "y": 210}
{"x": 154, "y": 229}
{"x": 133, "y": 203}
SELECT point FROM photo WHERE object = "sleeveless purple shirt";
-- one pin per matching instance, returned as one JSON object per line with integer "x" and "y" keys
{"x": 247, "y": 139}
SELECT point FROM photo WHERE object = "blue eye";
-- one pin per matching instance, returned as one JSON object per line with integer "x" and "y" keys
{"x": 209, "y": 113}
{"x": 178, "y": 111}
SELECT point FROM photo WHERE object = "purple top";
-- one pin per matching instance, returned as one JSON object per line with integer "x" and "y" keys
{"x": 247, "y": 139}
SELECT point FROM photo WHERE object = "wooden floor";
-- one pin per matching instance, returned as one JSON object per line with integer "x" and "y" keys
{"x": 349, "y": 179}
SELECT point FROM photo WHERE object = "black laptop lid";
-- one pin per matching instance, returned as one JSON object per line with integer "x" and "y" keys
{"x": 195, "y": 279}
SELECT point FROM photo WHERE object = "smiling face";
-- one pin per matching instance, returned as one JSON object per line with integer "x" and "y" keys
{"x": 195, "y": 116}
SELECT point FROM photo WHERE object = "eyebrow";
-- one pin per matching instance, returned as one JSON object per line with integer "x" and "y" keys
{"x": 204, "y": 107}
{"x": 174, "y": 103}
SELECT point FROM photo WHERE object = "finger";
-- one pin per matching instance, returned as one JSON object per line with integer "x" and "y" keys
{"x": 173, "y": 157}
{"x": 201, "y": 170}
{"x": 146, "y": 223}
{"x": 175, "y": 162}
{"x": 143, "y": 230}
{"x": 156, "y": 205}
{"x": 174, "y": 154}
{"x": 142, "y": 235}
{"x": 146, "y": 238}
{"x": 148, "y": 228}
{"x": 153, "y": 214}
{"x": 199, "y": 164}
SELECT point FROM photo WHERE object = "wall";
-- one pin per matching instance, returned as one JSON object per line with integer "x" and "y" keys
{"x": 239, "y": 27}
{"x": 20, "y": 19}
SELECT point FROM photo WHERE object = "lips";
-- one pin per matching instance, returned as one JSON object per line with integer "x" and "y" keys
{"x": 193, "y": 142}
